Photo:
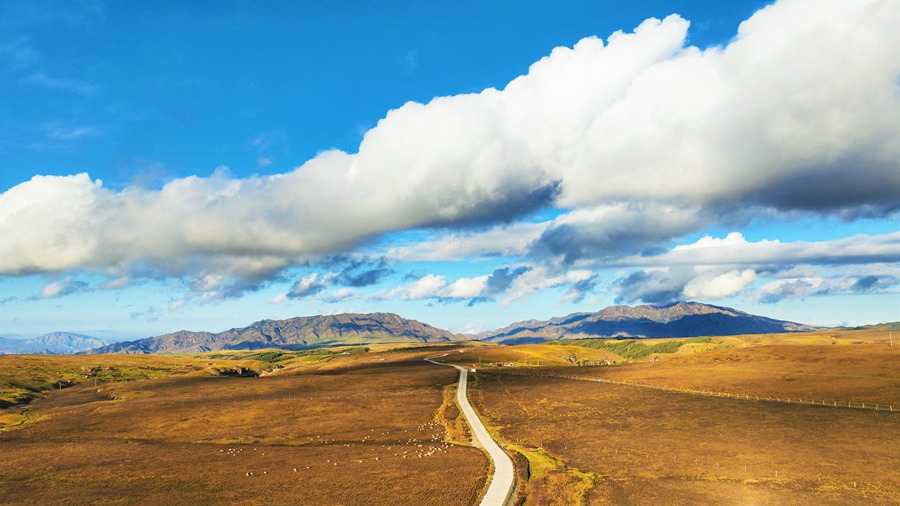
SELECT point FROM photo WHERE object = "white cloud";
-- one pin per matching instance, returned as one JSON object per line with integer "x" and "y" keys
{"x": 672, "y": 283}
{"x": 61, "y": 288}
{"x": 732, "y": 239}
{"x": 798, "y": 112}
{"x": 340, "y": 295}
{"x": 431, "y": 286}
{"x": 74, "y": 86}
{"x": 735, "y": 250}
{"x": 465, "y": 288}
{"x": 535, "y": 280}
{"x": 789, "y": 288}
{"x": 425, "y": 287}
{"x": 309, "y": 285}
{"x": 719, "y": 286}
{"x": 504, "y": 240}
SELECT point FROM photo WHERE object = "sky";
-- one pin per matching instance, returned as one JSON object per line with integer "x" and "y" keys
{"x": 205, "y": 165}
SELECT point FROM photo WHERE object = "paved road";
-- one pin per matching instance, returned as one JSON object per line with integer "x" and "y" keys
{"x": 504, "y": 476}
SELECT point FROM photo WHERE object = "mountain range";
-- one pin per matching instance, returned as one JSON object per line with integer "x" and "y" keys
{"x": 294, "y": 333}
{"x": 681, "y": 319}
{"x": 54, "y": 343}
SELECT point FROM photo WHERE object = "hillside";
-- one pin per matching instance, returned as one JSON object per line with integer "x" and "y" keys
{"x": 54, "y": 343}
{"x": 300, "y": 332}
{"x": 877, "y": 326}
{"x": 682, "y": 319}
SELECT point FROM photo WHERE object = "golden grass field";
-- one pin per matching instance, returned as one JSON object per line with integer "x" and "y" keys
{"x": 382, "y": 427}
{"x": 361, "y": 433}
{"x": 599, "y": 443}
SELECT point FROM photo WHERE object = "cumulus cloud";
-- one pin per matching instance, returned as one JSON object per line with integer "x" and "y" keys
{"x": 474, "y": 289}
{"x": 604, "y": 232}
{"x": 776, "y": 291}
{"x": 437, "y": 287}
{"x": 425, "y": 287}
{"x": 668, "y": 284}
{"x": 308, "y": 286}
{"x": 363, "y": 271}
{"x": 675, "y": 283}
{"x": 657, "y": 286}
{"x": 710, "y": 286}
{"x": 803, "y": 282}
{"x": 540, "y": 278}
{"x": 580, "y": 288}
{"x": 501, "y": 279}
{"x": 735, "y": 250}
{"x": 62, "y": 288}
{"x": 798, "y": 112}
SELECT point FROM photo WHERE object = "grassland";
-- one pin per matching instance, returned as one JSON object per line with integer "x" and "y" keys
{"x": 378, "y": 425}
{"x": 354, "y": 432}
{"x": 598, "y": 443}
{"x": 25, "y": 377}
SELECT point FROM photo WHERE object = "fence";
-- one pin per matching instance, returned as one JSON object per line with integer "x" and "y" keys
{"x": 743, "y": 397}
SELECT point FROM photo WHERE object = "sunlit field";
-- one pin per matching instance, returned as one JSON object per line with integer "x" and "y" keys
{"x": 722, "y": 420}
{"x": 378, "y": 433}
{"x": 592, "y": 442}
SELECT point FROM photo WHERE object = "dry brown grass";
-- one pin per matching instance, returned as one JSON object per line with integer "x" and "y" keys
{"x": 362, "y": 434}
{"x": 535, "y": 355}
{"x": 24, "y": 377}
{"x": 645, "y": 446}
{"x": 860, "y": 374}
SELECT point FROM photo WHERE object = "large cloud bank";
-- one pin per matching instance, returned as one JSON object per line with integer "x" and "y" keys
{"x": 643, "y": 137}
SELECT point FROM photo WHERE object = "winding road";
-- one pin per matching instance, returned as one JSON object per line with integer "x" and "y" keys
{"x": 502, "y": 482}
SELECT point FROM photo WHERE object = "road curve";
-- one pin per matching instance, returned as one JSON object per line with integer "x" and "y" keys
{"x": 502, "y": 482}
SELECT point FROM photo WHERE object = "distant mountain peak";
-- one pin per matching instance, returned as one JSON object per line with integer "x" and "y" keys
{"x": 676, "y": 319}
{"x": 297, "y": 332}
{"x": 53, "y": 343}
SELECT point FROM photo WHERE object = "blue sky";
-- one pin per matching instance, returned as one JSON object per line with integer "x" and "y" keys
{"x": 468, "y": 164}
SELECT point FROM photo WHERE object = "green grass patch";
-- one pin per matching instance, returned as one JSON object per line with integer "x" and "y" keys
{"x": 629, "y": 349}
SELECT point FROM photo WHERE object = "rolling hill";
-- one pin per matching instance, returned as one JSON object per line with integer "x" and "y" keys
{"x": 681, "y": 319}
{"x": 294, "y": 333}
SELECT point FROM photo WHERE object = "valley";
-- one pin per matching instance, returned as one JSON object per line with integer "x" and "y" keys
{"x": 380, "y": 425}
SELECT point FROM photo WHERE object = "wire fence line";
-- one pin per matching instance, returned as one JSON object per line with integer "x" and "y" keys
{"x": 707, "y": 393}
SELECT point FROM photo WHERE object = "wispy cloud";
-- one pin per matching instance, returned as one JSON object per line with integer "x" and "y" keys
{"x": 411, "y": 61}
{"x": 73, "y": 86}
{"x": 20, "y": 54}
{"x": 62, "y": 288}
{"x": 71, "y": 13}
{"x": 60, "y": 131}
